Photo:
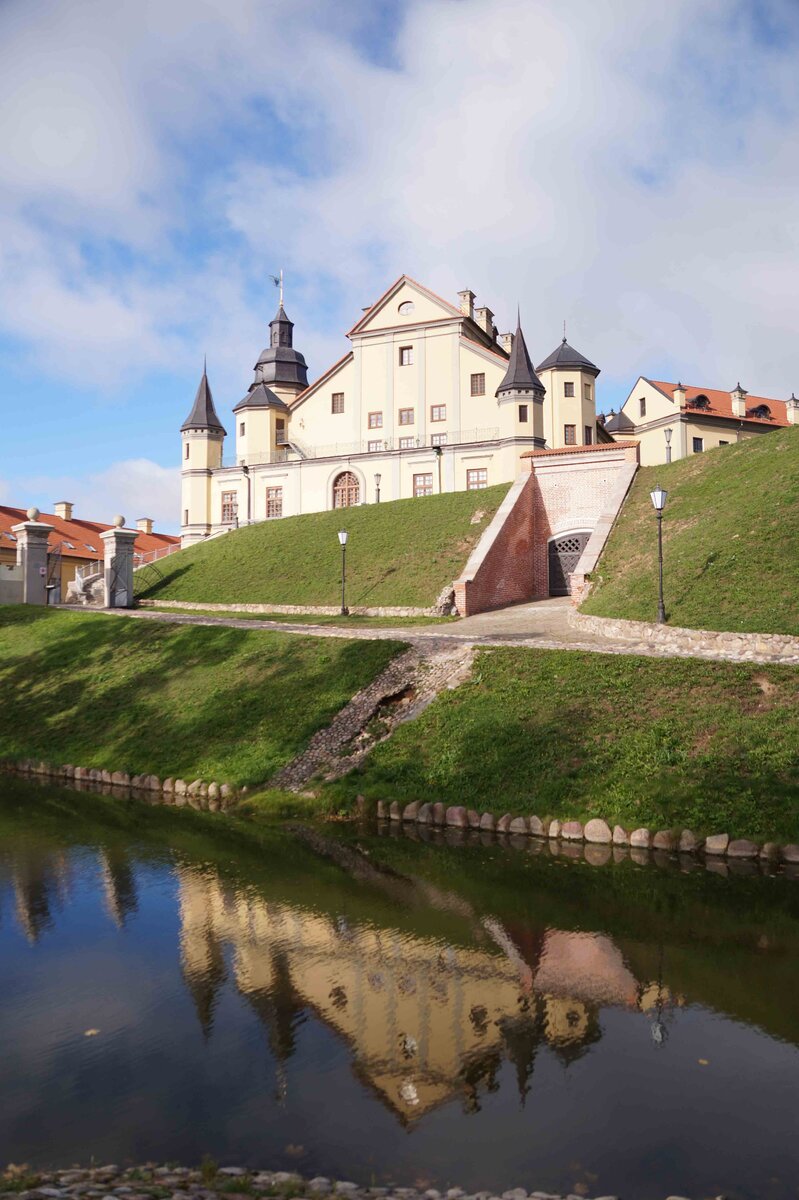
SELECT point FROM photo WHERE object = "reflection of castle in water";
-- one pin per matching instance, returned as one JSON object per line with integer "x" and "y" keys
{"x": 41, "y": 881}
{"x": 425, "y": 1020}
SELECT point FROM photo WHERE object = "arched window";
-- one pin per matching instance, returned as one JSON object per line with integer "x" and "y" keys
{"x": 700, "y": 401}
{"x": 761, "y": 410}
{"x": 346, "y": 490}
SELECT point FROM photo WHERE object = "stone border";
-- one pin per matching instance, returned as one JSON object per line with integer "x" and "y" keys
{"x": 595, "y": 832}
{"x": 313, "y": 610}
{"x": 210, "y": 797}
{"x": 706, "y": 643}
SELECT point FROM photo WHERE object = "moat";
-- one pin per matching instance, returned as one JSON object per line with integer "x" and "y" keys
{"x": 175, "y": 986}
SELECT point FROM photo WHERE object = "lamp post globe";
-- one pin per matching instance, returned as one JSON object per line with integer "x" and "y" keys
{"x": 658, "y": 497}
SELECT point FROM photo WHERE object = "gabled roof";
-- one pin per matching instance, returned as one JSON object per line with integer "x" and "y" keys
{"x": 203, "y": 414}
{"x": 721, "y": 403}
{"x": 83, "y": 536}
{"x": 301, "y": 396}
{"x": 619, "y": 422}
{"x": 566, "y": 357}
{"x": 396, "y": 285}
{"x": 520, "y": 375}
{"x": 260, "y": 396}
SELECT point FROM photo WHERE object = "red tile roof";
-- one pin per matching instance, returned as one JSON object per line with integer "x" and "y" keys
{"x": 83, "y": 536}
{"x": 597, "y": 446}
{"x": 721, "y": 403}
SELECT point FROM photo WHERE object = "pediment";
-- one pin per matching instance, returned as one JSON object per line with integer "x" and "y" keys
{"x": 406, "y": 302}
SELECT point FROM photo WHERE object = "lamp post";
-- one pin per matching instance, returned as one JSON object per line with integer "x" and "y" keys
{"x": 377, "y": 487}
{"x": 658, "y": 498}
{"x": 667, "y": 435}
{"x": 438, "y": 453}
{"x": 342, "y": 537}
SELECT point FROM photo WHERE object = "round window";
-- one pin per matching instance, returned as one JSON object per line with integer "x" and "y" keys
{"x": 406, "y": 307}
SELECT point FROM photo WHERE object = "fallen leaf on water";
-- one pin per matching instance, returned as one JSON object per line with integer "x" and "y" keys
{"x": 91, "y": 1033}
{"x": 703, "y": 1062}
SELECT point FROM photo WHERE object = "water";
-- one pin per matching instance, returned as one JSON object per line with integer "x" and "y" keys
{"x": 485, "y": 1016}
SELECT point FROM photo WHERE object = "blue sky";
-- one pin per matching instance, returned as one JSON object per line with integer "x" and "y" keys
{"x": 631, "y": 171}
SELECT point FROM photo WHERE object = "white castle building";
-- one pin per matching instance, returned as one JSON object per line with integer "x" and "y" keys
{"x": 428, "y": 399}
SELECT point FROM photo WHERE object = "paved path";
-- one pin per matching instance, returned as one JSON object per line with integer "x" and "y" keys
{"x": 543, "y": 624}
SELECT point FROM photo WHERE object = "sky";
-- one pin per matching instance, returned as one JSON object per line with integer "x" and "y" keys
{"x": 627, "y": 167}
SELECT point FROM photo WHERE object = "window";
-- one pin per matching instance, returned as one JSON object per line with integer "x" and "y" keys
{"x": 407, "y": 443}
{"x": 229, "y": 507}
{"x": 568, "y": 389}
{"x": 185, "y": 516}
{"x": 642, "y": 407}
{"x": 438, "y": 412}
{"x": 700, "y": 401}
{"x": 406, "y": 308}
{"x": 724, "y": 443}
{"x": 187, "y": 449}
{"x": 699, "y": 445}
{"x": 476, "y": 478}
{"x": 406, "y": 356}
{"x": 423, "y": 484}
{"x": 241, "y": 429}
{"x": 406, "y": 416}
{"x": 346, "y": 490}
{"x": 761, "y": 410}
{"x": 569, "y": 435}
{"x": 589, "y": 436}
{"x": 479, "y": 384}
{"x": 586, "y": 391}
{"x": 523, "y": 414}
{"x": 438, "y": 439}
{"x": 274, "y": 502}
{"x": 375, "y": 420}
{"x": 337, "y": 402}
{"x": 280, "y": 431}
{"x": 373, "y": 447}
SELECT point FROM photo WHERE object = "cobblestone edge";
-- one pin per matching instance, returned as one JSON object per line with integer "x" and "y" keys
{"x": 744, "y": 647}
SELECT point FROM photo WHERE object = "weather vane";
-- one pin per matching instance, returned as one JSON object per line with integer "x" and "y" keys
{"x": 277, "y": 280}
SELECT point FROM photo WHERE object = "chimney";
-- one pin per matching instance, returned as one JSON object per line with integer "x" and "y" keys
{"x": 467, "y": 303}
{"x": 507, "y": 342}
{"x": 63, "y": 509}
{"x": 145, "y": 524}
{"x": 792, "y": 410}
{"x": 738, "y": 397}
{"x": 679, "y": 395}
{"x": 485, "y": 319}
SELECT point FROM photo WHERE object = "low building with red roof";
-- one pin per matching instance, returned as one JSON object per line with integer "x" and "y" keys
{"x": 75, "y": 542}
{"x": 673, "y": 420}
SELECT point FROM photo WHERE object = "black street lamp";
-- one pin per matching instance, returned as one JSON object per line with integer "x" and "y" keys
{"x": 438, "y": 453}
{"x": 658, "y": 498}
{"x": 667, "y": 434}
{"x": 377, "y": 487}
{"x": 342, "y": 537}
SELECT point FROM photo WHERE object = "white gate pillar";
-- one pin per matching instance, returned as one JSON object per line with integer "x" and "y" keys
{"x": 118, "y": 565}
{"x": 32, "y": 538}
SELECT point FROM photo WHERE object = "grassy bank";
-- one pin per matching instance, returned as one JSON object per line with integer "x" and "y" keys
{"x": 731, "y": 541}
{"x": 661, "y": 743}
{"x": 139, "y": 696}
{"x": 400, "y": 554}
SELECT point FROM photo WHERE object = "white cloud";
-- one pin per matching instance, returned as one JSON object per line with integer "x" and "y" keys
{"x": 133, "y": 487}
{"x": 627, "y": 168}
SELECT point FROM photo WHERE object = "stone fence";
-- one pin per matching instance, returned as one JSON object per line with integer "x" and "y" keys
{"x": 704, "y": 643}
{"x": 444, "y": 607}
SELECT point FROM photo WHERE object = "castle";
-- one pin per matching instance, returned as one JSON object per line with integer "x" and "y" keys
{"x": 430, "y": 398}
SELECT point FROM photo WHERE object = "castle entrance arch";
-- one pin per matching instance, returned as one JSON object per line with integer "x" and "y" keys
{"x": 565, "y": 552}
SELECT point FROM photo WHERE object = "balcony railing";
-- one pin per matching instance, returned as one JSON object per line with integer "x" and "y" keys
{"x": 375, "y": 445}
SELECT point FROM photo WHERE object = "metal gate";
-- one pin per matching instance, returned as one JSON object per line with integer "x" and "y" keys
{"x": 564, "y": 555}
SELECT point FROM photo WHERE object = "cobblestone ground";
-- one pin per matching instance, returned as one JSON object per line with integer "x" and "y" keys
{"x": 407, "y": 686}
{"x": 151, "y": 1182}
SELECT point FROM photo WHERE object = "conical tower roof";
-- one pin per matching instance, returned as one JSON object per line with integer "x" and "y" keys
{"x": 203, "y": 414}
{"x": 565, "y": 356}
{"x": 520, "y": 375}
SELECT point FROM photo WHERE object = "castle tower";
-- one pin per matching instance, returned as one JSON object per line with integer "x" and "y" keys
{"x": 570, "y": 409}
{"x": 520, "y": 395}
{"x": 263, "y": 414}
{"x": 202, "y": 437}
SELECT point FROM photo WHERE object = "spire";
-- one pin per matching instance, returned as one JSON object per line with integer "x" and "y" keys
{"x": 520, "y": 375}
{"x": 203, "y": 414}
{"x": 280, "y": 363}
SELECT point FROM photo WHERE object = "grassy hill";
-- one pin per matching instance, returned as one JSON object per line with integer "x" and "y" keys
{"x": 231, "y": 705}
{"x": 400, "y": 553}
{"x": 730, "y": 541}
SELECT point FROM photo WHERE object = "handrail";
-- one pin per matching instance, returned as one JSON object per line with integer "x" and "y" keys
{"x": 348, "y": 449}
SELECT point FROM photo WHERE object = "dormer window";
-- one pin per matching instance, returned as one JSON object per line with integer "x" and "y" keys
{"x": 762, "y": 411}
{"x": 701, "y": 401}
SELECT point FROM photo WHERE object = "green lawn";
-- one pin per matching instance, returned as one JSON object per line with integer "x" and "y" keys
{"x": 662, "y": 743}
{"x": 232, "y": 705}
{"x": 731, "y": 541}
{"x": 401, "y": 553}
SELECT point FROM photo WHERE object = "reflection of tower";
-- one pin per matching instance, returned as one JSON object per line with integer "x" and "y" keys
{"x": 280, "y": 1010}
{"x": 40, "y": 880}
{"x": 201, "y": 956}
{"x": 119, "y": 884}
